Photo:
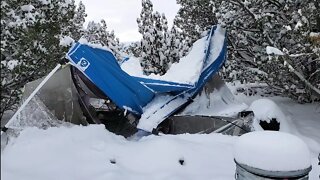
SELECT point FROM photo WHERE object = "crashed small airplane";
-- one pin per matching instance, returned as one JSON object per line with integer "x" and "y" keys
{"x": 95, "y": 89}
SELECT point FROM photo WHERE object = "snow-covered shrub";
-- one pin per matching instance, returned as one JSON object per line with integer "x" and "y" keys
{"x": 268, "y": 116}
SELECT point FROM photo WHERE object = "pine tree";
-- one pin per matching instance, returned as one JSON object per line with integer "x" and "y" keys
{"x": 159, "y": 47}
{"x": 133, "y": 49}
{"x": 30, "y": 38}
{"x": 97, "y": 33}
{"x": 253, "y": 25}
{"x": 78, "y": 30}
{"x": 195, "y": 17}
{"x": 145, "y": 23}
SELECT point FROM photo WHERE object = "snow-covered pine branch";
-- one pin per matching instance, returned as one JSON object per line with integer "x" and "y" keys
{"x": 300, "y": 76}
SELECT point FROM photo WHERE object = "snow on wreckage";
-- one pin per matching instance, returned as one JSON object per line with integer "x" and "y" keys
{"x": 151, "y": 99}
{"x": 98, "y": 89}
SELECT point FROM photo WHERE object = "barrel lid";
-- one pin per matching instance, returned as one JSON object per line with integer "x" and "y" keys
{"x": 272, "y": 151}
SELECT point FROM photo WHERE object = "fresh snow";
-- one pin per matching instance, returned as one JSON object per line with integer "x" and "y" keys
{"x": 220, "y": 102}
{"x": 45, "y": 2}
{"x": 187, "y": 71}
{"x": 217, "y": 42}
{"x": 87, "y": 152}
{"x": 265, "y": 110}
{"x": 157, "y": 110}
{"x": 27, "y": 8}
{"x": 93, "y": 153}
{"x": 314, "y": 34}
{"x": 12, "y": 64}
{"x": 189, "y": 68}
{"x": 272, "y": 151}
{"x": 161, "y": 106}
{"x": 66, "y": 41}
{"x": 272, "y": 50}
{"x": 94, "y": 45}
{"x": 132, "y": 67}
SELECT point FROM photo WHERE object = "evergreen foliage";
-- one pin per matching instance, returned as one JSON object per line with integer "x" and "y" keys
{"x": 35, "y": 36}
{"x": 159, "y": 47}
{"x": 97, "y": 33}
{"x": 78, "y": 20}
{"x": 194, "y": 17}
{"x": 30, "y": 37}
{"x": 252, "y": 26}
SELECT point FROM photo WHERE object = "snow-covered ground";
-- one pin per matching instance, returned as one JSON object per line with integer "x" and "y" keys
{"x": 94, "y": 153}
{"x": 74, "y": 152}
